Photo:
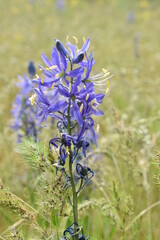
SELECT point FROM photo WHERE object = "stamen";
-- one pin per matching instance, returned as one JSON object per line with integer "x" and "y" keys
{"x": 32, "y": 99}
{"x": 106, "y": 74}
{"x": 81, "y": 108}
{"x": 97, "y": 129}
{"x": 70, "y": 85}
{"x": 57, "y": 75}
{"x": 76, "y": 40}
{"x": 108, "y": 86}
{"x": 104, "y": 70}
{"x": 103, "y": 80}
{"x": 84, "y": 39}
{"x": 87, "y": 96}
{"x": 67, "y": 38}
{"x": 85, "y": 87}
{"x": 37, "y": 76}
{"x": 53, "y": 85}
{"x": 42, "y": 80}
{"x": 79, "y": 88}
{"x": 52, "y": 67}
{"x": 98, "y": 75}
{"x": 99, "y": 84}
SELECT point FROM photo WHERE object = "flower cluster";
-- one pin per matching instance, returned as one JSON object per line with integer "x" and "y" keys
{"x": 66, "y": 90}
{"x": 24, "y": 123}
{"x": 65, "y": 84}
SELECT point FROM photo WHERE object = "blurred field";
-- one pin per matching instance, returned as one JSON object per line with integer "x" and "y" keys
{"x": 125, "y": 39}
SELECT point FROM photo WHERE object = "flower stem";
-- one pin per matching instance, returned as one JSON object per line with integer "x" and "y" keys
{"x": 75, "y": 202}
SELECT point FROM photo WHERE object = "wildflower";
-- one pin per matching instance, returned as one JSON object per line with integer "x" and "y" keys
{"x": 48, "y": 107}
{"x": 23, "y": 112}
{"x": 67, "y": 91}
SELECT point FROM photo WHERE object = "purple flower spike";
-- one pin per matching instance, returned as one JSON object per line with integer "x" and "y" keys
{"x": 66, "y": 90}
{"x": 23, "y": 122}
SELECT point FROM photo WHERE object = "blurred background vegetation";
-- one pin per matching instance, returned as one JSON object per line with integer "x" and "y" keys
{"x": 124, "y": 39}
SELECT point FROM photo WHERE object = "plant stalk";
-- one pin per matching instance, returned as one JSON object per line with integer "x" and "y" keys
{"x": 74, "y": 194}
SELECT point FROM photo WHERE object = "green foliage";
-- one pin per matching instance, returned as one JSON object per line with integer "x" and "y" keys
{"x": 37, "y": 155}
{"x": 156, "y": 163}
{"x": 8, "y": 200}
{"x": 52, "y": 191}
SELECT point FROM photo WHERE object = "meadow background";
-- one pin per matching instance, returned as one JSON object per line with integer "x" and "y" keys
{"x": 124, "y": 39}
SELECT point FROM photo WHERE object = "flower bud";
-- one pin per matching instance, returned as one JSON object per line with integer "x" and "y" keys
{"x": 79, "y": 58}
{"x": 61, "y": 48}
{"x": 31, "y": 69}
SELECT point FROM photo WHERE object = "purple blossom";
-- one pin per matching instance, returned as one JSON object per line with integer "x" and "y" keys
{"x": 23, "y": 112}
{"x": 56, "y": 70}
{"x": 60, "y": 88}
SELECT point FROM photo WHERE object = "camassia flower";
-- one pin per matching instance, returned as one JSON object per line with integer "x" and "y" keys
{"x": 23, "y": 112}
{"x": 56, "y": 70}
{"x": 67, "y": 82}
{"x": 67, "y": 90}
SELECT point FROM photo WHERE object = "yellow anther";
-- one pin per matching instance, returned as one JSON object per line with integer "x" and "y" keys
{"x": 85, "y": 87}
{"x": 79, "y": 88}
{"x": 52, "y": 67}
{"x": 84, "y": 39}
{"x": 70, "y": 85}
{"x": 87, "y": 96}
{"x": 106, "y": 74}
{"x": 76, "y": 40}
{"x": 81, "y": 107}
{"x": 32, "y": 99}
{"x": 53, "y": 85}
{"x": 67, "y": 100}
{"x": 37, "y": 76}
{"x": 104, "y": 70}
{"x": 108, "y": 86}
{"x": 40, "y": 70}
{"x": 57, "y": 75}
{"x": 67, "y": 38}
{"x": 42, "y": 80}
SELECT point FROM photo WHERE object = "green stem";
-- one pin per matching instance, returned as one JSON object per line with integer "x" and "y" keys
{"x": 75, "y": 202}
